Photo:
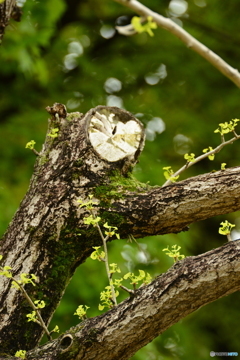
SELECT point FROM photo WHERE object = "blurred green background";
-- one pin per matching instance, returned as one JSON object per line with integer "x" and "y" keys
{"x": 69, "y": 52}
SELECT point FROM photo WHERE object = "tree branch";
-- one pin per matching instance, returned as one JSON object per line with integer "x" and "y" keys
{"x": 186, "y": 38}
{"x": 203, "y": 156}
{"x": 48, "y": 237}
{"x": 188, "y": 285}
{"x": 170, "y": 209}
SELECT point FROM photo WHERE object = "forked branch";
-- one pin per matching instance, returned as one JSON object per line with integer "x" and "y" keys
{"x": 190, "y": 284}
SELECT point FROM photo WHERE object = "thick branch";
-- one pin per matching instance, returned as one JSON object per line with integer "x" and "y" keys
{"x": 172, "y": 208}
{"x": 48, "y": 237}
{"x": 186, "y": 38}
{"x": 118, "y": 334}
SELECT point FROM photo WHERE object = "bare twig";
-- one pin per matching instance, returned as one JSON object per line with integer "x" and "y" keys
{"x": 35, "y": 152}
{"x": 31, "y": 303}
{"x": 130, "y": 291}
{"x": 104, "y": 240}
{"x": 203, "y": 156}
{"x": 186, "y": 38}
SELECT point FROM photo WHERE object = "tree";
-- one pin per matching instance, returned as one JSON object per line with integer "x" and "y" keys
{"x": 54, "y": 240}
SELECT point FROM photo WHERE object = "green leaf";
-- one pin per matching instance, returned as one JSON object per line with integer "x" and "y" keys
{"x": 135, "y": 279}
{"x": 226, "y": 127}
{"x": 81, "y": 311}
{"x": 148, "y": 279}
{"x": 32, "y": 316}
{"x": 168, "y": 174}
{"x": 136, "y": 23}
{"x": 90, "y": 220}
{"x": 106, "y": 298}
{"x": 28, "y": 278}
{"x": 212, "y": 156}
{"x": 118, "y": 282}
{"x": 30, "y": 145}
{"x": 147, "y": 27}
{"x": 174, "y": 253}
{"x": 111, "y": 231}
{"x": 53, "y": 133}
{"x": 189, "y": 157}
{"x": 97, "y": 254}
{"x": 56, "y": 329}
{"x": 5, "y": 271}
{"x": 89, "y": 204}
{"x": 40, "y": 304}
{"x": 114, "y": 268}
{"x": 126, "y": 276}
{"x": 101, "y": 307}
{"x": 225, "y": 228}
{"x": 20, "y": 353}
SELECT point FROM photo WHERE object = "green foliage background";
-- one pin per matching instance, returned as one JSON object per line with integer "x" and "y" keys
{"x": 65, "y": 51}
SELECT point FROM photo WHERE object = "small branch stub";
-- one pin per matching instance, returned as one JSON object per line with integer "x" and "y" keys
{"x": 57, "y": 109}
{"x": 115, "y": 133}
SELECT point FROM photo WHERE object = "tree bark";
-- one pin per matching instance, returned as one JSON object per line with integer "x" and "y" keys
{"x": 48, "y": 237}
{"x": 8, "y": 9}
{"x": 116, "y": 335}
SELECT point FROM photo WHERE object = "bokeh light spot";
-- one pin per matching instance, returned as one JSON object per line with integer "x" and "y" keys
{"x": 178, "y": 7}
{"x": 107, "y": 31}
{"x": 154, "y": 126}
{"x": 112, "y": 85}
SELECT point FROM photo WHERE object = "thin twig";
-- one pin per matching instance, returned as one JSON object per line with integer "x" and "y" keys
{"x": 186, "y": 38}
{"x": 203, "y": 156}
{"x": 229, "y": 237}
{"x": 130, "y": 291}
{"x": 35, "y": 152}
{"x": 104, "y": 240}
{"x": 40, "y": 322}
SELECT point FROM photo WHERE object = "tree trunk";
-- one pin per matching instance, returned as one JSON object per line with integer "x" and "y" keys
{"x": 48, "y": 237}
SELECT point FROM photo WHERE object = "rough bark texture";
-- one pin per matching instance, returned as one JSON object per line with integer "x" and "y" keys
{"x": 184, "y": 288}
{"x": 8, "y": 9}
{"x": 47, "y": 236}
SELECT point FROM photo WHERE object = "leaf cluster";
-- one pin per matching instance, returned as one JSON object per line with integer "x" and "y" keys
{"x": 174, "y": 253}
{"x": 147, "y": 27}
